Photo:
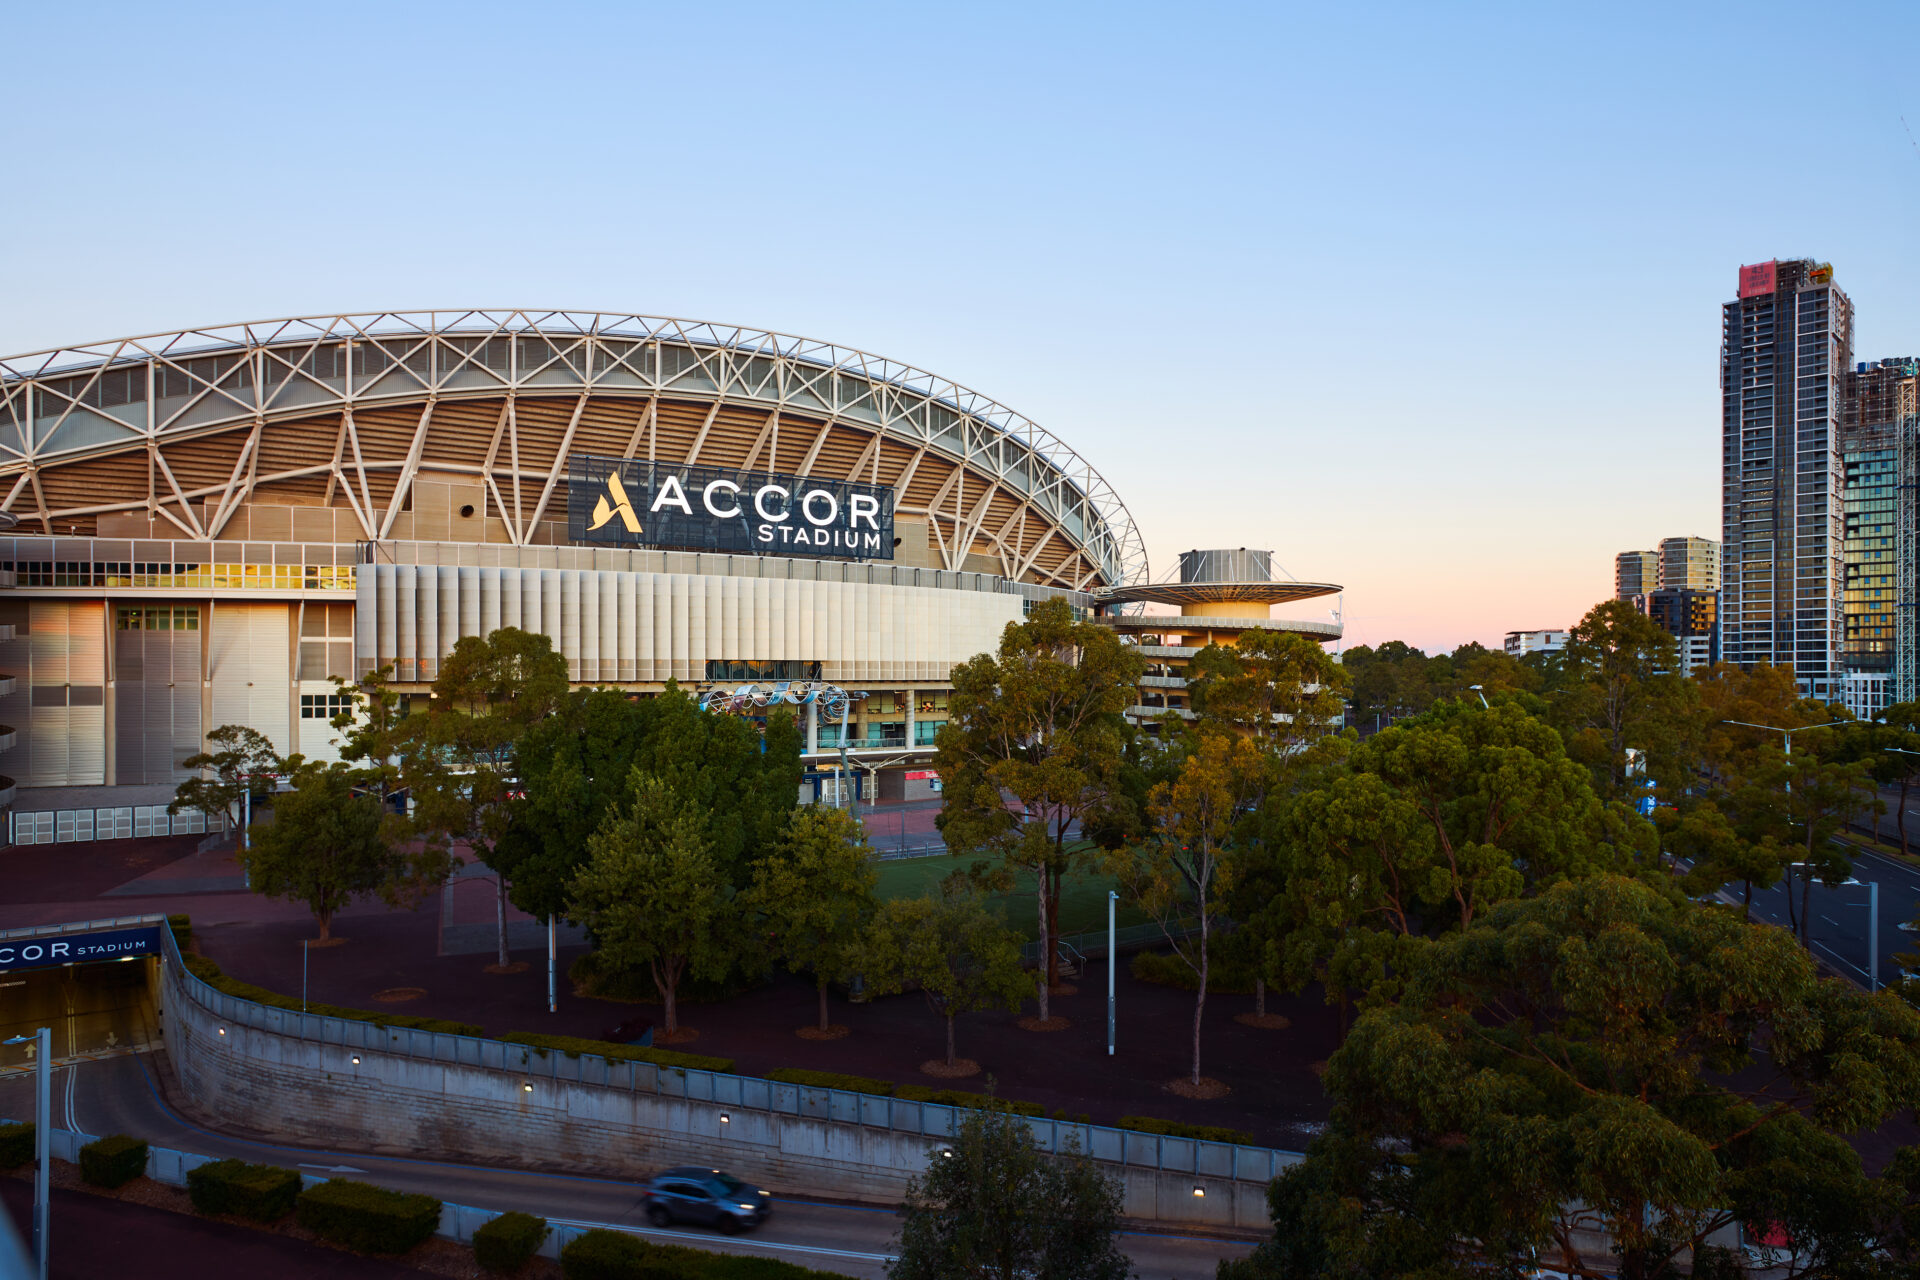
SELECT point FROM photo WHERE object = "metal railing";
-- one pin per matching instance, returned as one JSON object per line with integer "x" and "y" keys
{"x": 1124, "y": 1147}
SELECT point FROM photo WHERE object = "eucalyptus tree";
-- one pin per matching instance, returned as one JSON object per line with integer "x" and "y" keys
{"x": 1039, "y": 721}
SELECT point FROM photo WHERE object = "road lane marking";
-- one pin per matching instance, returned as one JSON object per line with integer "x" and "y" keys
{"x": 89, "y": 1055}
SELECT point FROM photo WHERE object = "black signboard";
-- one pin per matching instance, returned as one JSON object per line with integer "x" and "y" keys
{"x": 630, "y": 502}
{"x": 78, "y": 948}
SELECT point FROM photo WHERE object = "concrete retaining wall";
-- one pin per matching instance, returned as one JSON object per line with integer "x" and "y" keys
{"x": 356, "y": 1086}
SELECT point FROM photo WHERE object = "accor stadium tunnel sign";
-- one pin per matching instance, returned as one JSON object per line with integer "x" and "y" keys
{"x": 636, "y": 503}
{"x": 79, "y": 948}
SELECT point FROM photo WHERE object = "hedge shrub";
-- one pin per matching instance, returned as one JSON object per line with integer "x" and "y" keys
{"x": 182, "y": 928}
{"x": 592, "y": 978}
{"x": 16, "y": 1144}
{"x": 370, "y": 1219}
{"x": 507, "y": 1243}
{"x": 614, "y": 1255}
{"x": 113, "y": 1161}
{"x": 574, "y": 1046}
{"x": 906, "y": 1092}
{"x": 603, "y": 1255}
{"x": 262, "y": 1192}
{"x": 1224, "y": 977}
{"x": 209, "y": 972}
{"x": 1175, "y": 1129}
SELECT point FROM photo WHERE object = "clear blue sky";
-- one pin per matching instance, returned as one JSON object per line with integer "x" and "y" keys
{"x": 1423, "y": 297}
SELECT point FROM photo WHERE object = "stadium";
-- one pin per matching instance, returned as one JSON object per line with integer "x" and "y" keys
{"x": 210, "y": 525}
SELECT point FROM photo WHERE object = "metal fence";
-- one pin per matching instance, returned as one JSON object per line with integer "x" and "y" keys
{"x": 928, "y": 1119}
{"x": 61, "y": 826}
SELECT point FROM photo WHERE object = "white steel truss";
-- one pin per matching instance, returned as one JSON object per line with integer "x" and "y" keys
{"x": 71, "y": 403}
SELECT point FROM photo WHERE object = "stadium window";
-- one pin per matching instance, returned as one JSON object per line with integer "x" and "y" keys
{"x": 324, "y": 706}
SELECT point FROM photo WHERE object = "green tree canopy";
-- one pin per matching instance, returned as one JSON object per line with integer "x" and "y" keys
{"x": 1185, "y": 869}
{"x": 1040, "y": 720}
{"x": 458, "y": 760}
{"x": 995, "y": 1207}
{"x": 813, "y": 895}
{"x": 957, "y": 952}
{"x": 1433, "y": 822}
{"x": 575, "y": 765}
{"x": 1616, "y": 691}
{"x": 1279, "y": 686}
{"x": 242, "y": 760}
{"x": 1604, "y": 1057}
{"x": 651, "y": 892}
{"x": 326, "y": 845}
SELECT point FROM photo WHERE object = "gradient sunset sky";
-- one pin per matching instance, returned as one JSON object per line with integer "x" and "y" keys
{"x": 1425, "y": 298}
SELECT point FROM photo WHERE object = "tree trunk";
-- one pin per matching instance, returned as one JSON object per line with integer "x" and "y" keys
{"x": 1046, "y": 944}
{"x": 949, "y": 1039}
{"x": 1053, "y": 928}
{"x": 1749, "y": 901}
{"x": 325, "y": 919}
{"x": 1200, "y": 999}
{"x": 1806, "y": 900}
{"x": 824, "y": 1024}
{"x": 1259, "y": 997}
{"x": 666, "y": 980}
{"x": 500, "y": 916}
{"x": 1900, "y": 816}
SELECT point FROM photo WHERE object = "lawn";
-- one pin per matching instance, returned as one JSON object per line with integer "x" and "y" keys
{"x": 1083, "y": 897}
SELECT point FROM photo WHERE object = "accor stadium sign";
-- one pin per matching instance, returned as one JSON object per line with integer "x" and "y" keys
{"x": 78, "y": 948}
{"x": 635, "y": 503}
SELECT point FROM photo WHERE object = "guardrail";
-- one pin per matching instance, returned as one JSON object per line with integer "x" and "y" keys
{"x": 1124, "y": 1147}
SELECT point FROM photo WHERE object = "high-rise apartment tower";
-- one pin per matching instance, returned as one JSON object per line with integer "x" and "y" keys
{"x": 1785, "y": 344}
{"x": 1869, "y": 440}
{"x": 1635, "y": 573}
{"x": 1689, "y": 564}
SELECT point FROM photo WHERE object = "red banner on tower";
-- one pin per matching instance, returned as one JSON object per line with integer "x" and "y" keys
{"x": 1757, "y": 279}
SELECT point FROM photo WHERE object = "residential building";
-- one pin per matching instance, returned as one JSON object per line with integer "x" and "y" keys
{"x": 1635, "y": 573}
{"x": 1692, "y": 618}
{"x": 1786, "y": 343}
{"x": 1689, "y": 564}
{"x": 1521, "y": 643}
{"x": 1869, "y": 451}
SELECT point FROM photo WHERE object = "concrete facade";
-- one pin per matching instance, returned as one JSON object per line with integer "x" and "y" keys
{"x": 356, "y": 1085}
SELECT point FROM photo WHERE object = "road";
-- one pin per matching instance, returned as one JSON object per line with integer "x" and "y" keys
{"x": 92, "y": 1008}
{"x": 119, "y": 1095}
{"x": 1838, "y": 933}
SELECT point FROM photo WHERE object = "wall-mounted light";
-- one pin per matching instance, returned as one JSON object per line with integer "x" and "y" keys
{"x": 526, "y": 1088}
{"x": 221, "y": 1030}
{"x": 356, "y": 1059}
{"x": 946, "y": 1153}
{"x": 725, "y": 1118}
{"x": 1199, "y": 1193}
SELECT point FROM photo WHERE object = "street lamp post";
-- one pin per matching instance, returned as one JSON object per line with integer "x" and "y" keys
{"x": 42, "y": 1137}
{"x": 1787, "y": 733}
{"x": 1113, "y": 899}
{"x": 1483, "y": 696}
{"x": 1873, "y": 935}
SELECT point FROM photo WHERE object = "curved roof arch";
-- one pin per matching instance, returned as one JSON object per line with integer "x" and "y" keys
{"x": 72, "y": 403}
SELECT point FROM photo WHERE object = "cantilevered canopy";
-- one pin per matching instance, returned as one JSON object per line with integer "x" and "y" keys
{"x": 1192, "y": 593}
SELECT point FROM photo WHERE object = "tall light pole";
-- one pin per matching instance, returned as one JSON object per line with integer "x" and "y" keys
{"x": 1113, "y": 899}
{"x": 1483, "y": 696}
{"x": 42, "y": 1137}
{"x": 1787, "y": 733}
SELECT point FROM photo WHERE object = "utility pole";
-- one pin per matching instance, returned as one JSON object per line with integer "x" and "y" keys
{"x": 42, "y": 1138}
{"x": 1113, "y": 950}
